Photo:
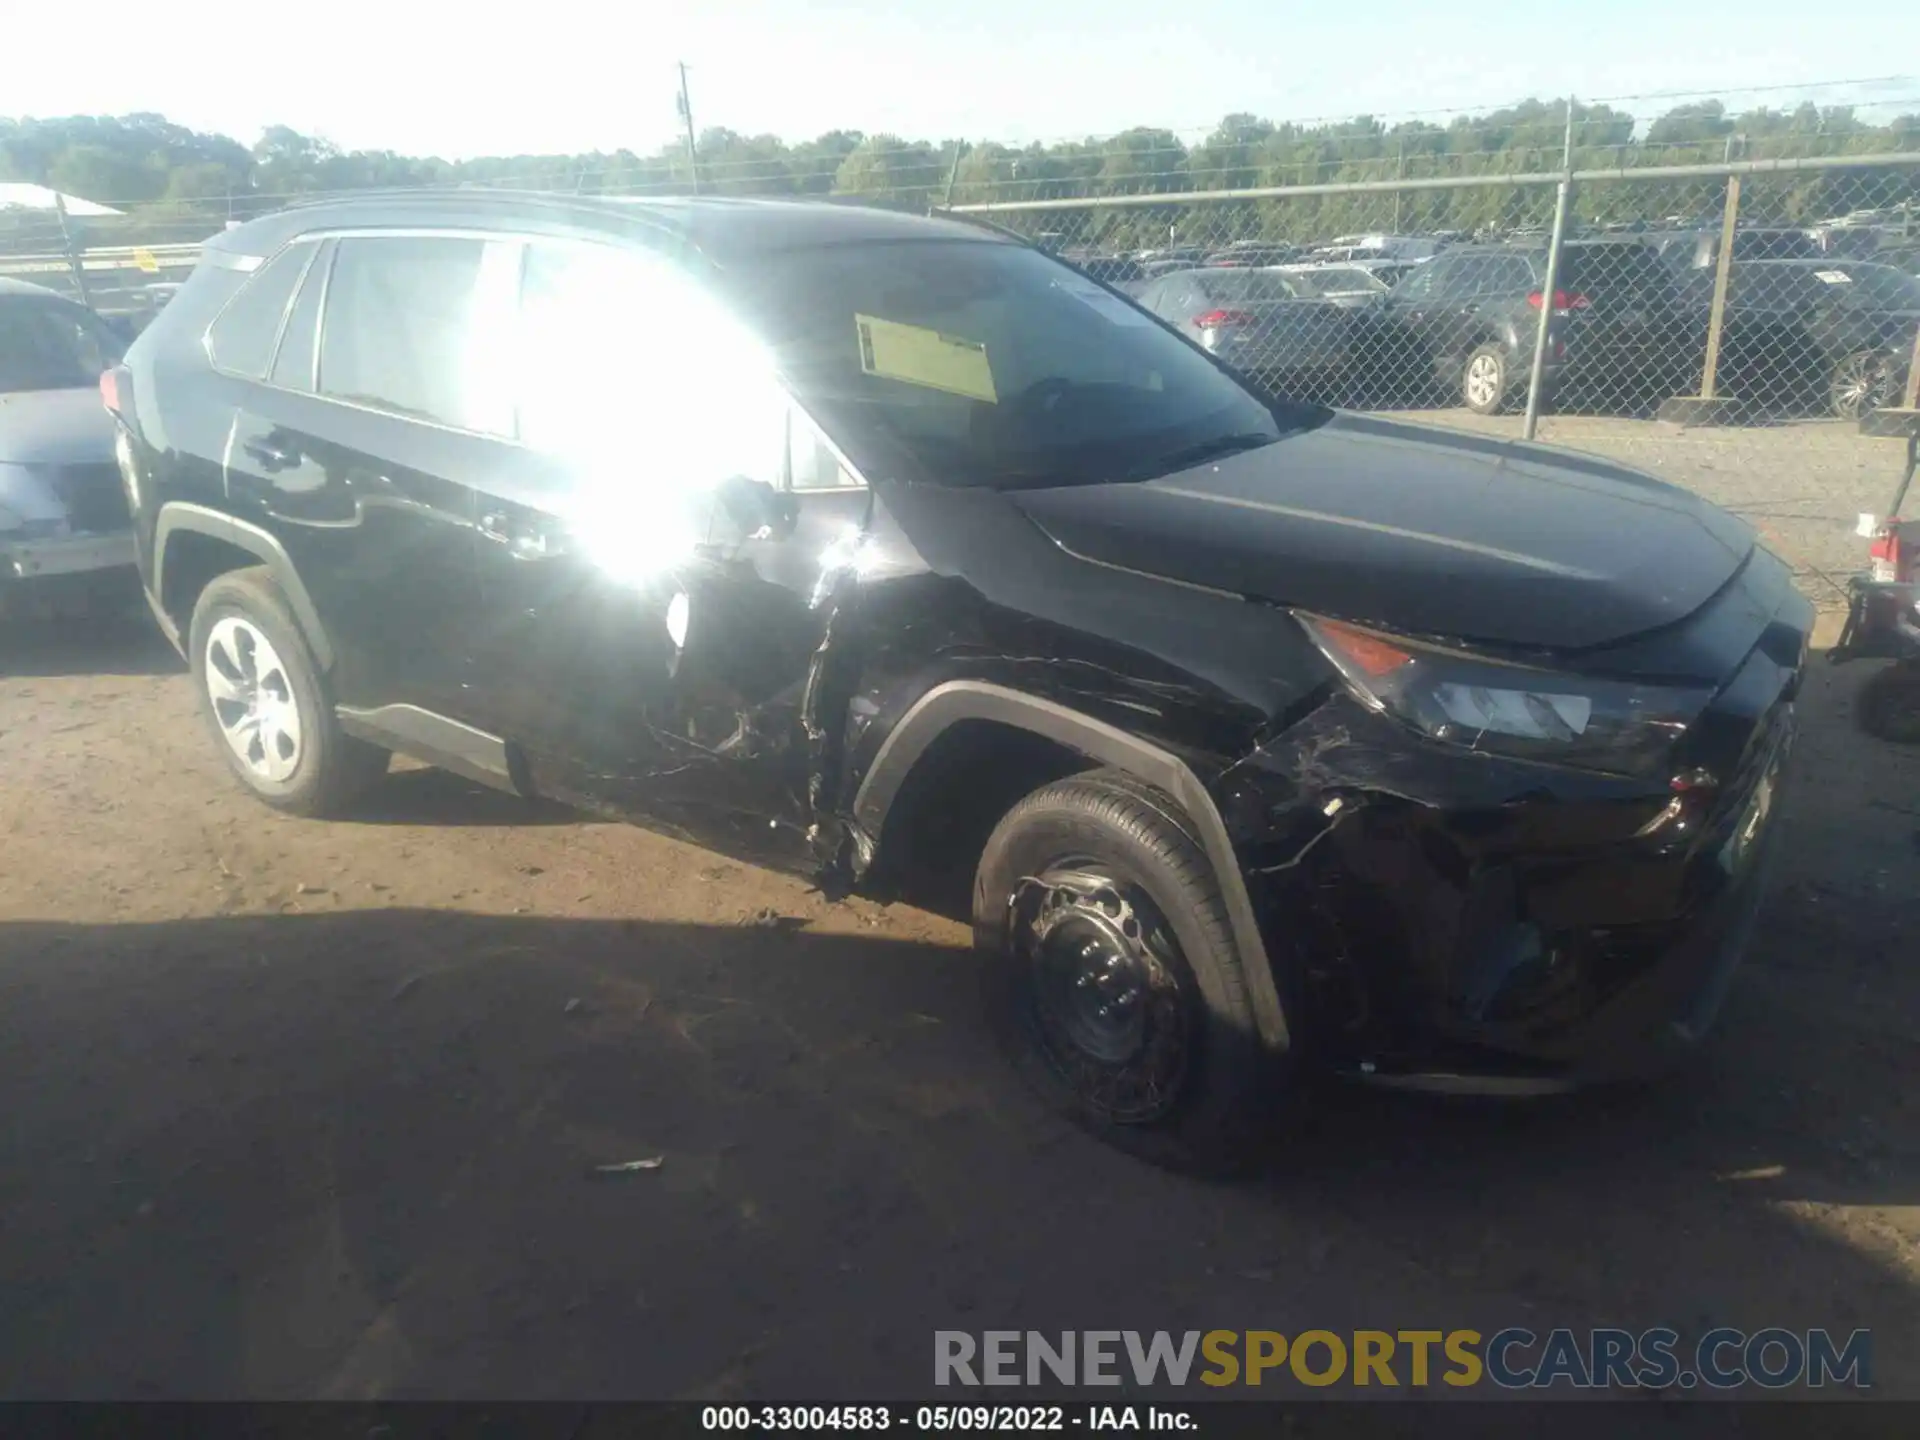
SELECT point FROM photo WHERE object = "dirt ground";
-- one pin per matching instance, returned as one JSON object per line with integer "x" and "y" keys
{"x": 311, "y": 1110}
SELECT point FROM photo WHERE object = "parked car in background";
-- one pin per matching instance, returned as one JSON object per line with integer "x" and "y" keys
{"x": 1261, "y": 323}
{"x": 1154, "y": 269}
{"x": 1467, "y": 320}
{"x": 1351, "y": 286}
{"x": 1694, "y": 254}
{"x": 1902, "y": 254}
{"x": 1388, "y": 272}
{"x": 1241, "y": 256}
{"x": 1379, "y": 247}
{"x": 874, "y": 546}
{"x": 1119, "y": 271}
{"x": 1182, "y": 255}
{"x": 65, "y": 542}
{"x": 1833, "y": 335}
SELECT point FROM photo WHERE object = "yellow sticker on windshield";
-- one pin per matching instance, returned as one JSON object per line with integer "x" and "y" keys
{"x": 925, "y": 357}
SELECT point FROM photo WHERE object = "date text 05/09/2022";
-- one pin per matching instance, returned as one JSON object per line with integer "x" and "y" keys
{"x": 933, "y": 1419}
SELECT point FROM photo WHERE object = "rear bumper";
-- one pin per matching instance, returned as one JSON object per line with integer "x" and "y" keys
{"x": 29, "y": 560}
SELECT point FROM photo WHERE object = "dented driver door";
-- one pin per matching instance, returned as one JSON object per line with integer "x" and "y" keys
{"x": 651, "y": 578}
{"x": 754, "y": 704}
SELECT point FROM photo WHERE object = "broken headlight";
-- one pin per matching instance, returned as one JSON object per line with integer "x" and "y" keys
{"x": 1617, "y": 726}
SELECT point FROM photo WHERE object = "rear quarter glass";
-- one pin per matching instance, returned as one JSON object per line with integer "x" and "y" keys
{"x": 189, "y": 314}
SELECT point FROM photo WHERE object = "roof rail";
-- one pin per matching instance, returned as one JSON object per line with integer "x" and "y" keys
{"x": 421, "y": 192}
{"x": 979, "y": 222}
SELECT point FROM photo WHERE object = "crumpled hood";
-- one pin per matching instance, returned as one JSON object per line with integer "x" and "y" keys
{"x": 1418, "y": 530}
{"x": 55, "y": 427}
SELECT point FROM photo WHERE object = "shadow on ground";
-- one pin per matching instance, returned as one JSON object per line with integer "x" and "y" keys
{"x": 421, "y": 796}
{"x": 353, "y": 1156}
{"x": 118, "y": 644}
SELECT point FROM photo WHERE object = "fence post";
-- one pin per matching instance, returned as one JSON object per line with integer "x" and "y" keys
{"x": 1562, "y": 200}
{"x": 1722, "y": 273}
{"x": 67, "y": 248}
{"x": 1911, "y": 399}
{"x": 953, "y": 172}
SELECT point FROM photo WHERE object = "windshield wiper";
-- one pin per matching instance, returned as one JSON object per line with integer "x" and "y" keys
{"x": 1213, "y": 449}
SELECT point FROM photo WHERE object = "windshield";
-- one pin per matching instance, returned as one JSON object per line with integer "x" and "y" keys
{"x": 1340, "y": 280}
{"x": 979, "y": 363}
{"x": 47, "y": 344}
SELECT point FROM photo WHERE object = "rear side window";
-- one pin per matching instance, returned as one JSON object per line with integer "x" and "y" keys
{"x": 1506, "y": 275}
{"x": 404, "y": 330}
{"x": 618, "y": 354}
{"x": 293, "y": 363}
{"x": 1464, "y": 278}
{"x": 1426, "y": 280}
{"x": 242, "y": 338}
{"x": 1622, "y": 269}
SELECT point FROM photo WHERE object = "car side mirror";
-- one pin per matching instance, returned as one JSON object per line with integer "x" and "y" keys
{"x": 760, "y": 511}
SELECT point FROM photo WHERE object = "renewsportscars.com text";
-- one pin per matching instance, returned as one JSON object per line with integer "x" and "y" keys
{"x": 1511, "y": 1359}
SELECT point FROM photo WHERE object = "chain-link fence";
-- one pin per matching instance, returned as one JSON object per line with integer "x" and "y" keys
{"x": 1724, "y": 322}
{"x": 1727, "y": 324}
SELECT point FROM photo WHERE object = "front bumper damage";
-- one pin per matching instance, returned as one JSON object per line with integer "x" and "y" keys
{"x": 1446, "y": 920}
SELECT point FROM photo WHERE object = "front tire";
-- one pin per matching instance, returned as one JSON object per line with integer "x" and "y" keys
{"x": 1888, "y": 704}
{"x": 1486, "y": 383}
{"x": 266, "y": 704}
{"x": 1113, "y": 975}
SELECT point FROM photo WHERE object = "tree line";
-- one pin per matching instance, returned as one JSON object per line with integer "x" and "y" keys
{"x": 178, "y": 183}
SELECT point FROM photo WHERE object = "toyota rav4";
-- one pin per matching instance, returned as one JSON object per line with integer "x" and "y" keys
{"x": 882, "y": 548}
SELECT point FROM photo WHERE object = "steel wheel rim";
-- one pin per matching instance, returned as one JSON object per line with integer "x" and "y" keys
{"x": 1483, "y": 379}
{"x": 253, "y": 699}
{"x": 1107, "y": 1005}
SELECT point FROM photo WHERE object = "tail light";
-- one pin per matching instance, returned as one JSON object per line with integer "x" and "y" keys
{"x": 1563, "y": 301}
{"x": 110, "y": 388}
{"x": 1214, "y": 319}
{"x": 1892, "y": 559}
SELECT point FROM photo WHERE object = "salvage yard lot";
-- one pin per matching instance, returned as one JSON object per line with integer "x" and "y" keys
{"x": 302, "y": 1109}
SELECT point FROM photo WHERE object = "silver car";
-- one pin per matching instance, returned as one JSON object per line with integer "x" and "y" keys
{"x": 64, "y": 529}
{"x": 1350, "y": 286}
{"x": 1261, "y": 323}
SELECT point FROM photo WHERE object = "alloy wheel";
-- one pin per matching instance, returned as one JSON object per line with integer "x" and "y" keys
{"x": 1861, "y": 383}
{"x": 1483, "y": 381}
{"x": 253, "y": 700}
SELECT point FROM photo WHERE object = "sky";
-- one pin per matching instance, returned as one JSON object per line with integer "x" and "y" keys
{"x": 565, "y": 76}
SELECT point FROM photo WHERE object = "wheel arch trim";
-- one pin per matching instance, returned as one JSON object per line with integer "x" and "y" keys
{"x": 955, "y": 701}
{"x": 182, "y": 515}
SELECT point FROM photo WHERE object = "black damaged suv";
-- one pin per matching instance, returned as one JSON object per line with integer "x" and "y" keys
{"x": 882, "y": 548}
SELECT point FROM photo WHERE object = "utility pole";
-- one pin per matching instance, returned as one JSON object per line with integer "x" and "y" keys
{"x": 1550, "y": 286}
{"x": 71, "y": 250}
{"x": 686, "y": 116}
{"x": 1399, "y": 173}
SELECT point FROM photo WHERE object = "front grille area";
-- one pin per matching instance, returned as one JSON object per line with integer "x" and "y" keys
{"x": 95, "y": 499}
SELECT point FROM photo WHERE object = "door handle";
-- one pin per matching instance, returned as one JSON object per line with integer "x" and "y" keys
{"x": 521, "y": 544}
{"x": 270, "y": 456}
